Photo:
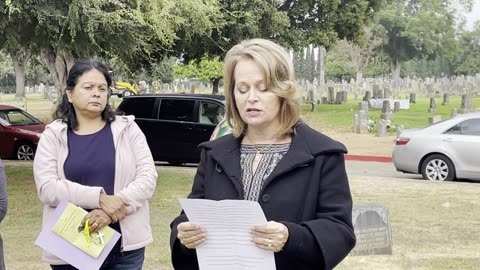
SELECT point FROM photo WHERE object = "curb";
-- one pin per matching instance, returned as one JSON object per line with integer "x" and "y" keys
{"x": 368, "y": 158}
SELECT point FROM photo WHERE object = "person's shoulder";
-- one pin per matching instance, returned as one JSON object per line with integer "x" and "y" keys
{"x": 54, "y": 127}
{"x": 317, "y": 141}
{"x": 122, "y": 121}
{"x": 226, "y": 141}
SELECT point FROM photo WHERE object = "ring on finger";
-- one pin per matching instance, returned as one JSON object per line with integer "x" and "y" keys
{"x": 95, "y": 224}
{"x": 269, "y": 241}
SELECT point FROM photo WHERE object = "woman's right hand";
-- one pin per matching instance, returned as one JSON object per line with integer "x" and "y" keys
{"x": 190, "y": 235}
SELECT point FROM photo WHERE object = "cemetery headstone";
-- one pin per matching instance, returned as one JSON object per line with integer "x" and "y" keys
{"x": 376, "y": 89}
{"x": 311, "y": 96}
{"x": 362, "y": 126}
{"x": 466, "y": 105}
{"x": 433, "y": 106}
{"x": 368, "y": 96}
{"x": 413, "y": 98}
{"x": 382, "y": 128}
{"x": 338, "y": 97}
{"x": 446, "y": 99}
{"x": 331, "y": 94}
{"x": 363, "y": 106}
{"x": 372, "y": 230}
{"x": 396, "y": 106}
{"x": 386, "y": 92}
{"x": 345, "y": 97}
{"x": 386, "y": 113}
{"x": 430, "y": 92}
{"x": 434, "y": 119}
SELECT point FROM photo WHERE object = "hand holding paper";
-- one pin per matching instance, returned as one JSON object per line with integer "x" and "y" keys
{"x": 51, "y": 242}
{"x": 190, "y": 235}
{"x": 228, "y": 241}
{"x": 67, "y": 228}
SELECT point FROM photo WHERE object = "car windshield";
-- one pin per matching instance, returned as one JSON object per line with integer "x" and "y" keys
{"x": 17, "y": 118}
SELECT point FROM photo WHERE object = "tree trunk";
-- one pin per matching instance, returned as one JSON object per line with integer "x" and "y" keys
{"x": 359, "y": 77}
{"x": 20, "y": 59}
{"x": 321, "y": 66}
{"x": 215, "y": 83}
{"x": 395, "y": 69}
{"x": 58, "y": 64}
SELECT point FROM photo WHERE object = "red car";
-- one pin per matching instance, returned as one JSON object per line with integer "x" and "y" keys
{"x": 19, "y": 133}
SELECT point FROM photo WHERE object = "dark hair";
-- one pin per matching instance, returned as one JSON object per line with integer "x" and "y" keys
{"x": 65, "y": 110}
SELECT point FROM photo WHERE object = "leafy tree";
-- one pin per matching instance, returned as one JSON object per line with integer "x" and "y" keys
{"x": 240, "y": 20}
{"x": 416, "y": 29}
{"x": 209, "y": 69}
{"x": 16, "y": 32}
{"x": 184, "y": 71}
{"x": 469, "y": 60}
{"x": 323, "y": 22}
{"x": 7, "y": 74}
{"x": 337, "y": 67}
{"x": 138, "y": 32}
{"x": 359, "y": 56}
{"x": 163, "y": 71}
{"x": 377, "y": 66}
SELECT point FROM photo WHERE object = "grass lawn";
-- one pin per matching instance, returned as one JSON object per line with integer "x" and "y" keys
{"x": 434, "y": 226}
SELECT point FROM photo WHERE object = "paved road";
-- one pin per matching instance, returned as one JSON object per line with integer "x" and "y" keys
{"x": 381, "y": 169}
{"x": 365, "y": 168}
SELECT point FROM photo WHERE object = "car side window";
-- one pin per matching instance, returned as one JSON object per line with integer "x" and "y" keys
{"x": 467, "y": 127}
{"x": 471, "y": 127}
{"x": 140, "y": 107}
{"x": 210, "y": 113}
{"x": 454, "y": 130}
{"x": 16, "y": 117}
{"x": 177, "y": 110}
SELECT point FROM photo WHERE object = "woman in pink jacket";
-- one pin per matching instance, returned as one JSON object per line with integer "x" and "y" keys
{"x": 100, "y": 162}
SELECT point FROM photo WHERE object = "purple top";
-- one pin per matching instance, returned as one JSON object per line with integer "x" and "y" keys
{"x": 91, "y": 162}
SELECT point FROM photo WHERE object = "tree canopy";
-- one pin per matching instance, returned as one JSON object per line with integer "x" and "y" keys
{"x": 417, "y": 29}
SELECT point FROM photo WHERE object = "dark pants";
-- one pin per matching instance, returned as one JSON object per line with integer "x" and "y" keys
{"x": 128, "y": 260}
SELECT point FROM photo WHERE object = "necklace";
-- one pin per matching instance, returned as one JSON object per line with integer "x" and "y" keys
{"x": 259, "y": 152}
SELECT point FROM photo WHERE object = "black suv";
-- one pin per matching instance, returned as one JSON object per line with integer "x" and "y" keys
{"x": 175, "y": 124}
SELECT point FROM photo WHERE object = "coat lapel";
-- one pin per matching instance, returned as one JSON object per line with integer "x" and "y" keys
{"x": 227, "y": 156}
{"x": 298, "y": 155}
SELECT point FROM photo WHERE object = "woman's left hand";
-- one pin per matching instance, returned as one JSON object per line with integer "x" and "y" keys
{"x": 97, "y": 219}
{"x": 271, "y": 236}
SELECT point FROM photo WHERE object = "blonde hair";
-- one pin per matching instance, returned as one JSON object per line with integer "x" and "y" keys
{"x": 278, "y": 72}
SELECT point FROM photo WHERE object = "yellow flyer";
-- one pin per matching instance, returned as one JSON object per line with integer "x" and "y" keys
{"x": 67, "y": 227}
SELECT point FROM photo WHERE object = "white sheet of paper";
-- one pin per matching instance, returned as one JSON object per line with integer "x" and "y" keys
{"x": 228, "y": 244}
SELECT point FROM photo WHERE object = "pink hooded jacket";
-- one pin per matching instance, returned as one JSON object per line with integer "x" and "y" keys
{"x": 135, "y": 179}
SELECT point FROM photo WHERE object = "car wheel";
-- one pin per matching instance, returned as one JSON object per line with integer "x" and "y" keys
{"x": 438, "y": 168}
{"x": 25, "y": 152}
{"x": 127, "y": 93}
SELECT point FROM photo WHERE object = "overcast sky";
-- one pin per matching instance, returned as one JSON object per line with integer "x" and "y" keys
{"x": 474, "y": 15}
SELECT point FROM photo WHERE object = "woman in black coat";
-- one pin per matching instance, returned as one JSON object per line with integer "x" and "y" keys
{"x": 295, "y": 173}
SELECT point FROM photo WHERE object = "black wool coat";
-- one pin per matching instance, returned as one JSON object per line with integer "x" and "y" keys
{"x": 307, "y": 191}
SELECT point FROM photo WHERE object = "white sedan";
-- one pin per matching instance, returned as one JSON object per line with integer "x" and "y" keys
{"x": 443, "y": 151}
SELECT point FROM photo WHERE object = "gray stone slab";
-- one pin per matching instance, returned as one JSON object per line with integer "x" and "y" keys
{"x": 372, "y": 229}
